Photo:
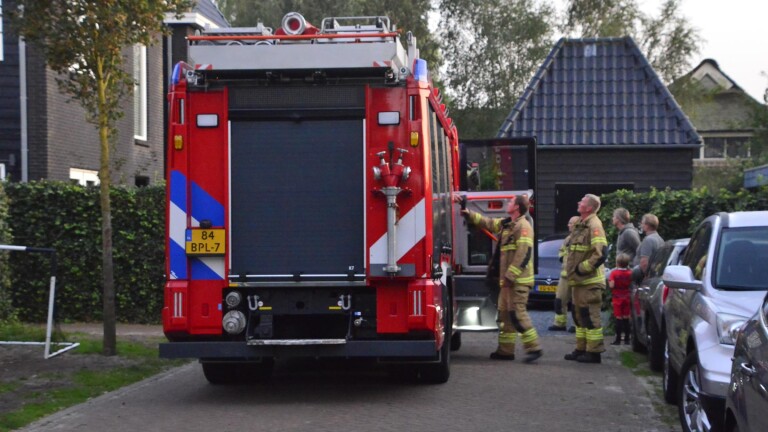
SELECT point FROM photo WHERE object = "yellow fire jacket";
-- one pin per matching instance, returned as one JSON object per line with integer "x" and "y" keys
{"x": 563, "y": 255}
{"x": 516, "y": 252}
{"x": 586, "y": 253}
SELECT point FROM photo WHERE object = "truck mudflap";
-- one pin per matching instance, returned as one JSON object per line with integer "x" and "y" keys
{"x": 407, "y": 349}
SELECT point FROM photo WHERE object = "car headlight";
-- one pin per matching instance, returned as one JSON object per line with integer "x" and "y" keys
{"x": 728, "y": 327}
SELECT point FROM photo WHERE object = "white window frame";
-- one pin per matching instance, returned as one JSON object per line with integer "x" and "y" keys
{"x": 140, "y": 92}
{"x": 84, "y": 177}
{"x": 726, "y": 137}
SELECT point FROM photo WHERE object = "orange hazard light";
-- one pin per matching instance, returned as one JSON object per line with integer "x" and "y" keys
{"x": 178, "y": 142}
{"x": 414, "y": 139}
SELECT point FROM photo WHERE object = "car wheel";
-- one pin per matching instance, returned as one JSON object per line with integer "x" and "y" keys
{"x": 456, "y": 341}
{"x": 689, "y": 404}
{"x": 731, "y": 425}
{"x": 223, "y": 373}
{"x": 655, "y": 346}
{"x": 669, "y": 382}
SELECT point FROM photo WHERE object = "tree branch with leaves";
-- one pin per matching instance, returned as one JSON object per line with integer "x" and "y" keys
{"x": 85, "y": 41}
{"x": 494, "y": 48}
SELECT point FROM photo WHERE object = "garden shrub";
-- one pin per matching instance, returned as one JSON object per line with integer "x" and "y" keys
{"x": 67, "y": 217}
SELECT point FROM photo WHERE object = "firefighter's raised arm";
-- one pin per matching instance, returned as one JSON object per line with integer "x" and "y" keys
{"x": 462, "y": 200}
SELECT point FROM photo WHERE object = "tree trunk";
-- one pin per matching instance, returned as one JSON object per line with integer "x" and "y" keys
{"x": 107, "y": 267}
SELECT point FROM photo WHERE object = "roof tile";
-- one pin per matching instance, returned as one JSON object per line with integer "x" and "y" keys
{"x": 599, "y": 92}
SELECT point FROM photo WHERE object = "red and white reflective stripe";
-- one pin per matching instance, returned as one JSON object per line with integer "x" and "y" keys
{"x": 382, "y": 63}
{"x": 410, "y": 231}
{"x": 204, "y": 66}
{"x": 178, "y": 305}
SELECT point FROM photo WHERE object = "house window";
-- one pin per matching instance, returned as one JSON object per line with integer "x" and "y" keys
{"x": 84, "y": 177}
{"x": 737, "y": 148}
{"x": 714, "y": 148}
{"x": 140, "y": 92}
{"x": 725, "y": 147}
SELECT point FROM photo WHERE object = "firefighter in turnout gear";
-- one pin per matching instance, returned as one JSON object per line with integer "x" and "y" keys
{"x": 515, "y": 235}
{"x": 563, "y": 294}
{"x": 587, "y": 250}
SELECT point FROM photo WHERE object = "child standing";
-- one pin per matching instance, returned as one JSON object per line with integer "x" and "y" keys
{"x": 619, "y": 281}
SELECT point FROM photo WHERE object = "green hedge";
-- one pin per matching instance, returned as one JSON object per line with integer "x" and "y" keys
{"x": 679, "y": 211}
{"x": 5, "y": 238}
{"x": 67, "y": 217}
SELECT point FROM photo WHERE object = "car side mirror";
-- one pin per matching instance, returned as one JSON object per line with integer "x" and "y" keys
{"x": 680, "y": 277}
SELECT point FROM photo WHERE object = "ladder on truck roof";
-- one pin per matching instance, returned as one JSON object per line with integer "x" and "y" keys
{"x": 340, "y": 43}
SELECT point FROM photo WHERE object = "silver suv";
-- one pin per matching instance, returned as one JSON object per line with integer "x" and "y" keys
{"x": 720, "y": 283}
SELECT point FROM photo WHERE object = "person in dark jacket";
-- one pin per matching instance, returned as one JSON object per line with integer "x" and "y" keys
{"x": 628, "y": 239}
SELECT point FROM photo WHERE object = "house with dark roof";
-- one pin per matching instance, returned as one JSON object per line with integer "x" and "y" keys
{"x": 720, "y": 110}
{"x": 603, "y": 121}
{"x": 45, "y": 136}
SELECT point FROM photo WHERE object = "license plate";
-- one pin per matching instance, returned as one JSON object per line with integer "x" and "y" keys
{"x": 205, "y": 241}
{"x": 547, "y": 288}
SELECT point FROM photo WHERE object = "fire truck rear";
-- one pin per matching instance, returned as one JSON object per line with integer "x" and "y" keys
{"x": 309, "y": 213}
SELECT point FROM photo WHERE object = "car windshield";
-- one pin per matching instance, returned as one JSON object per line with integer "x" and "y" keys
{"x": 549, "y": 260}
{"x": 550, "y": 248}
{"x": 741, "y": 259}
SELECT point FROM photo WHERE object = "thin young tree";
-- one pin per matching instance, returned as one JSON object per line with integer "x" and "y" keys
{"x": 84, "y": 41}
{"x": 491, "y": 48}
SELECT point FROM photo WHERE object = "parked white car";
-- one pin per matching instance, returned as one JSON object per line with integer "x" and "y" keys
{"x": 747, "y": 400}
{"x": 721, "y": 282}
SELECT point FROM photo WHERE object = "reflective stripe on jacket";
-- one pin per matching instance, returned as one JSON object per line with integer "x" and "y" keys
{"x": 516, "y": 251}
{"x": 563, "y": 255}
{"x": 585, "y": 250}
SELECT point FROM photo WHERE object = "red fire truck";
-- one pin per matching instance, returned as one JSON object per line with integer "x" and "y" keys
{"x": 309, "y": 213}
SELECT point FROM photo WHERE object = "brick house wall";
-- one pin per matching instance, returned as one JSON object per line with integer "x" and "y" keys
{"x": 10, "y": 132}
{"x": 60, "y": 138}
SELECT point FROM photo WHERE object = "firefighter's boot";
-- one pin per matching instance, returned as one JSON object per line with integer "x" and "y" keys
{"x": 532, "y": 356}
{"x": 559, "y": 323}
{"x": 581, "y": 344}
{"x": 531, "y": 343}
{"x": 575, "y": 355}
{"x": 507, "y": 339}
{"x": 589, "y": 357}
{"x": 498, "y": 356}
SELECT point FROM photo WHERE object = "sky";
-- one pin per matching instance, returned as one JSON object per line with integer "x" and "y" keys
{"x": 735, "y": 34}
